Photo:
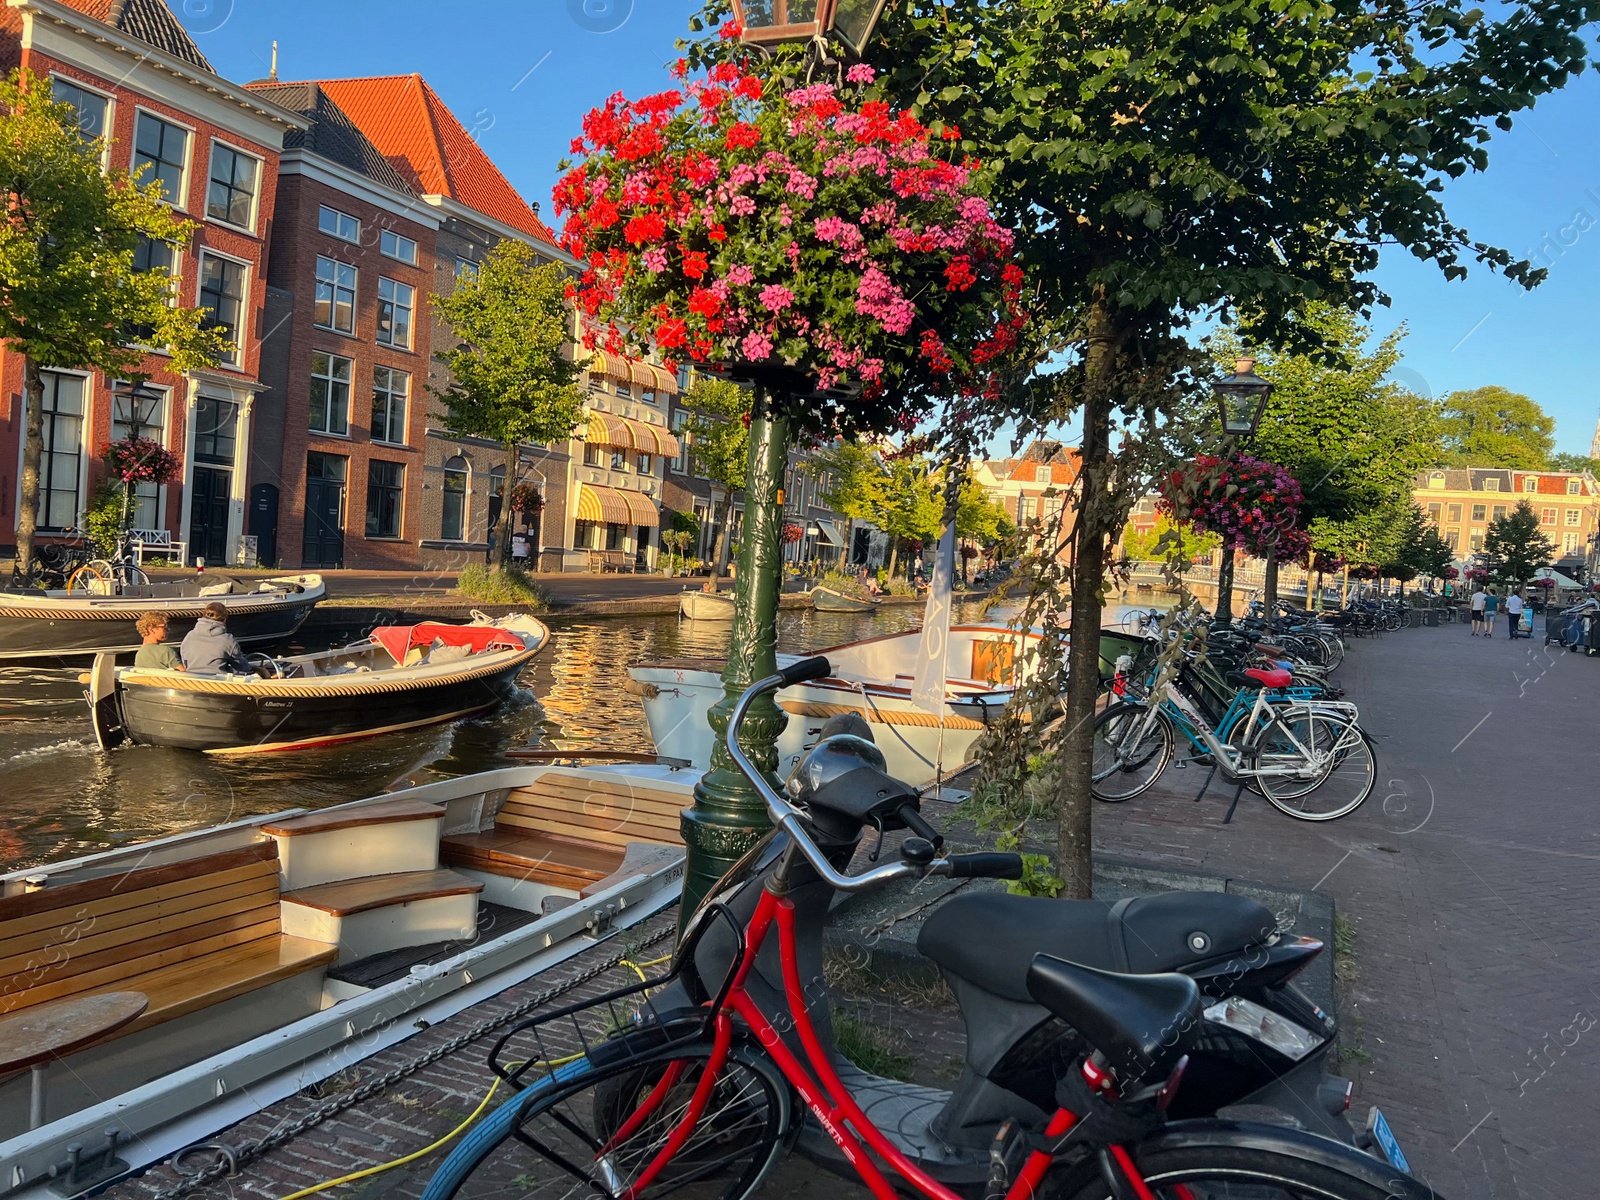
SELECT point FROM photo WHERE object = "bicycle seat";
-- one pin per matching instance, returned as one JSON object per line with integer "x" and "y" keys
{"x": 1141, "y": 1023}
{"x": 1270, "y": 679}
{"x": 990, "y": 938}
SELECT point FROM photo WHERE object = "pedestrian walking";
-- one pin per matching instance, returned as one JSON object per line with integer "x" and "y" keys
{"x": 1514, "y": 604}
{"x": 1478, "y": 599}
{"x": 1490, "y": 603}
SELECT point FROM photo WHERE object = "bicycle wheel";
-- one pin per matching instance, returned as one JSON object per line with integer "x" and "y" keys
{"x": 93, "y": 578}
{"x": 1132, "y": 746}
{"x": 1347, "y": 773}
{"x": 595, "y": 1131}
{"x": 1225, "y": 1172}
{"x": 129, "y": 575}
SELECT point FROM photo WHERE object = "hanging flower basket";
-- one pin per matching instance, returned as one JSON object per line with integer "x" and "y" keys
{"x": 1251, "y": 504}
{"x": 527, "y": 500}
{"x": 1452, "y": 573}
{"x": 141, "y": 460}
{"x": 792, "y": 533}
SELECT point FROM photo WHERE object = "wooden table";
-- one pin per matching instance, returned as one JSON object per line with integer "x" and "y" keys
{"x": 36, "y": 1036}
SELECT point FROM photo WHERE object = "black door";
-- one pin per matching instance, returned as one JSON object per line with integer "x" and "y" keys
{"x": 324, "y": 535}
{"x": 264, "y": 522}
{"x": 208, "y": 516}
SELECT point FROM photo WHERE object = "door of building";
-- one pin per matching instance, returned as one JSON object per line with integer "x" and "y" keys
{"x": 325, "y": 499}
{"x": 208, "y": 515}
{"x": 264, "y": 522}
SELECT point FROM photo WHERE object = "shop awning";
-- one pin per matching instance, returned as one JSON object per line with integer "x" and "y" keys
{"x": 632, "y": 370}
{"x": 831, "y": 533}
{"x": 614, "y": 506}
{"x": 608, "y": 429}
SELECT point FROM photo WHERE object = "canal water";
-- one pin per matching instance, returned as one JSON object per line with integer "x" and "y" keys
{"x": 62, "y": 797}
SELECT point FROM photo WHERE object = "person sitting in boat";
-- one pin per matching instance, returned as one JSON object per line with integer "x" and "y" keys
{"x": 155, "y": 653}
{"x": 210, "y": 649}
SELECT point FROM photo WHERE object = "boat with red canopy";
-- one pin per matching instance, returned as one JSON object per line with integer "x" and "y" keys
{"x": 399, "y": 677}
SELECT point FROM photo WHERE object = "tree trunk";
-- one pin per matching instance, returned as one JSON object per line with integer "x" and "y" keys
{"x": 32, "y": 453}
{"x": 719, "y": 563}
{"x": 1314, "y": 594}
{"x": 1095, "y": 524}
{"x": 1269, "y": 584}
{"x": 845, "y": 559}
{"x": 894, "y": 554}
{"x": 502, "y": 525}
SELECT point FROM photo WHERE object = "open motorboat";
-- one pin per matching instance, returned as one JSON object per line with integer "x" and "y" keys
{"x": 872, "y": 677}
{"x": 400, "y": 677}
{"x": 250, "y": 960}
{"x": 696, "y": 605}
{"x": 826, "y": 599}
{"x": 63, "y": 624}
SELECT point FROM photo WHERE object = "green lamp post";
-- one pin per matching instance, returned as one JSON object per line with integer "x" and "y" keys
{"x": 1241, "y": 400}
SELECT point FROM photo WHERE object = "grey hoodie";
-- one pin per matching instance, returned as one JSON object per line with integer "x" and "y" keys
{"x": 210, "y": 649}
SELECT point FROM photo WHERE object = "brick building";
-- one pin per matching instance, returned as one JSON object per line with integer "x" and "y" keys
{"x": 137, "y": 79}
{"x": 1463, "y": 501}
{"x": 1035, "y": 485}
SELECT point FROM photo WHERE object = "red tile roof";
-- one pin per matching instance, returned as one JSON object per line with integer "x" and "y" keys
{"x": 420, "y": 136}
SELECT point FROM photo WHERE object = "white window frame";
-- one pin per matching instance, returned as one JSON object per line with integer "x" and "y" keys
{"x": 165, "y": 409}
{"x": 1549, "y": 513}
{"x": 411, "y": 309}
{"x": 1491, "y": 485}
{"x": 255, "y": 194}
{"x": 1573, "y": 518}
{"x": 1574, "y": 488}
{"x": 244, "y": 301}
{"x": 354, "y": 241}
{"x": 1571, "y": 542}
{"x": 181, "y": 204}
{"x": 111, "y": 109}
{"x": 406, "y": 399}
{"x": 83, "y": 446}
{"x": 1530, "y": 484}
{"x": 333, "y": 305}
{"x": 349, "y": 396}
{"x": 399, "y": 237}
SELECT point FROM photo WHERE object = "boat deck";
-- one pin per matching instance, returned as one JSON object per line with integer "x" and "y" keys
{"x": 394, "y": 1102}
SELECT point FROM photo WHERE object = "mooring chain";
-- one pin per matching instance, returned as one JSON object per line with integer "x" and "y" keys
{"x": 229, "y": 1160}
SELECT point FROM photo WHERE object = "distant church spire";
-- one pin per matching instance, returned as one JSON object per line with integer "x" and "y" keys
{"x": 1594, "y": 446}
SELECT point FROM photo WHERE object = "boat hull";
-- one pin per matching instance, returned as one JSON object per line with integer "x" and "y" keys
{"x": 828, "y": 600}
{"x": 33, "y": 626}
{"x": 222, "y": 717}
{"x": 705, "y": 606}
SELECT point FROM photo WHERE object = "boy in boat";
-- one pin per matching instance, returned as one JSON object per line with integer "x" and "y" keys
{"x": 155, "y": 653}
{"x": 210, "y": 649}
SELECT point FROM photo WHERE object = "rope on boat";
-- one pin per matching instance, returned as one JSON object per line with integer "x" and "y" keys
{"x": 353, "y": 685}
{"x": 132, "y": 606}
{"x": 229, "y": 1160}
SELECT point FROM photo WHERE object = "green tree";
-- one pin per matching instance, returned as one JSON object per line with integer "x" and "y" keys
{"x": 1165, "y": 161}
{"x": 979, "y": 517}
{"x": 718, "y": 427}
{"x": 1516, "y": 547}
{"x": 70, "y": 296}
{"x": 910, "y": 506}
{"x": 1496, "y": 427}
{"x": 1419, "y": 549}
{"x": 1575, "y": 462}
{"x": 510, "y": 381}
{"x": 1168, "y": 539}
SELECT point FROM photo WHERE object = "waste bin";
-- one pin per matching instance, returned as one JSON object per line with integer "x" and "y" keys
{"x": 1430, "y": 617}
{"x": 1555, "y": 627}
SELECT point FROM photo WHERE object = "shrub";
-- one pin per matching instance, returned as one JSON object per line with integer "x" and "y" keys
{"x": 895, "y": 586}
{"x": 847, "y": 585}
{"x": 509, "y": 586}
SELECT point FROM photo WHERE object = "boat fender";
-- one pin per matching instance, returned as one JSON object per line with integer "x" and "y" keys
{"x": 636, "y": 687}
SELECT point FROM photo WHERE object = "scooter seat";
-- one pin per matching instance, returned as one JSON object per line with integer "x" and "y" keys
{"x": 989, "y": 938}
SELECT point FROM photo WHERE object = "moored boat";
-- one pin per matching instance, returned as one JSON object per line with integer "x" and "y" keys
{"x": 62, "y": 624}
{"x": 401, "y": 677}
{"x": 256, "y": 958}
{"x": 827, "y": 600}
{"x": 696, "y": 605}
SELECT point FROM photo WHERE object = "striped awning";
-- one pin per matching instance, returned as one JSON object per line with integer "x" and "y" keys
{"x": 613, "y": 506}
{"x": 631, "y": 370}
{"x": 608, "y": 429}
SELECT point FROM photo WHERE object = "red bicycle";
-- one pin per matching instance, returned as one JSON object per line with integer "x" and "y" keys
{"x": 697, "y": 1082}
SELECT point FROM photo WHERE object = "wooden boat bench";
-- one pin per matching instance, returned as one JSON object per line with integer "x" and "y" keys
{"x": 569, "y": 833}
{"x": 187, "y": 934}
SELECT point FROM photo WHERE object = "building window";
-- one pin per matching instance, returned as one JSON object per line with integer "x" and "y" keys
{"x": 1530, "y": 483}
{"x": 583, "y": 537}
{"x": 1573, "y": 487}
{"x": 142, "y": 413}
{"x": 591, "y": 454}
{"x": 614, "y": 536}
{"x": 453, "y": 523}
{"x": 340, "y": 225}
{"x": 466, "y": 269}
{"x": 162, "y": 149}
{"x": 222, "y": 296}
{"x": 1451, "y": 538}
{"x": 619, "y": 459}
{"x": 1476, "y": 542}
{"x": 62, "y": 460}
{"x": 216, "y": 429}
{"x": 330, "y": 394}
{"x": 1547, "y": 516}
{"x": 390, "y": 389}
{"x": 1491, "y": 485}
{"x": 395, "y": 303}
{"x": 1433, "y": 513}
{"x": 684, "y": 463}
{"x": 625, "y": 390}
{"x": 646, "y": 464}
{"x": 153, "y": 254}
{"x": 1454, "y": 512}
{"x": 395, "y": 246}
{"x": 232, "y": 194}
{"x": 92, "y": 108}
{"x": 386, "y": 489}
{"x": 336, "y": 295}
{"x": 1477, "y": 512}
{"x": 1569, "y": 542}
{"x": 649, "y": 396}
{"x": 1436, "y": 480}
{"x": 1499, "y": 512}
{"x": 1574, "y": 516}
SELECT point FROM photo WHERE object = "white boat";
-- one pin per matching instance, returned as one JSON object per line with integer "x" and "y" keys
{"x": 873, "y": 678}
{"x": 696, "y": 605}
{"x": 828, "y": 600}
{"x": 273, "y": 952}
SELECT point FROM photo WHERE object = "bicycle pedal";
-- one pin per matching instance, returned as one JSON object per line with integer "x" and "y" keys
{"x": 1007, "y": 1152}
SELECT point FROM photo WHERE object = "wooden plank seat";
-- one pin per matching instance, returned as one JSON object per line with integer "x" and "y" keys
{"x": 568, "y": 832}
{"x": 187, "y": 934}
{"x": 385, "y": 812}
{"x": 346, "y": 897}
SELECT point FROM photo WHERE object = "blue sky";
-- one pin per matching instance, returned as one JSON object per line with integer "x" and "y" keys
{"x": 523, "y": 75}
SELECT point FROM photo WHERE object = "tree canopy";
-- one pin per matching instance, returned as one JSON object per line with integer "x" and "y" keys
{"x": 1575, "y": 462}
{"x": 1516, "y": 547}
{"x": 1168, "y": 539}
{"x": 1496, "y": 427}
{"x": 717, "y": 427}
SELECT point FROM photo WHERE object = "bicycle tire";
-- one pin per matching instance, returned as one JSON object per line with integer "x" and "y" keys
{"x": 1354, "y": 754}
{"x": 1156, "y": 747}
{"x": 1224, "y": 1170}
{"x": 584, "y": 1106}
{"x": 97, "y": 569}
{"x": 132, "y": 576}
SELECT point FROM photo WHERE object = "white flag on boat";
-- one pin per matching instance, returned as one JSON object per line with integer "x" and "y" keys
{"x": 927, "y": 687}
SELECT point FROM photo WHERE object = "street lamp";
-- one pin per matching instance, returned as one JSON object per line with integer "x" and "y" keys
{"x": 773, "y": 22}
{"x": 1241, "y": 399}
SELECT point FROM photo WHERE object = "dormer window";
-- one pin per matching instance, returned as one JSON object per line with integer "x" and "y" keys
{"x": 1436, "y": 479}
{"x": 1530, "y": 483}
{"x": 1491, "y": 485}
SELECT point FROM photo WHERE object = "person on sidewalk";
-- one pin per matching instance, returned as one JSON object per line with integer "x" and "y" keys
{"x": 210, "y": 649}
{"x": 155, "y": 653}
{"x": 1478, "y": 599}
{"x": 1514, "y": 611}
{"x": 1490, "y": 603}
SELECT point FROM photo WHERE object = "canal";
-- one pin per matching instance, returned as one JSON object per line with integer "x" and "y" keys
{"x": 62, "y": 797}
